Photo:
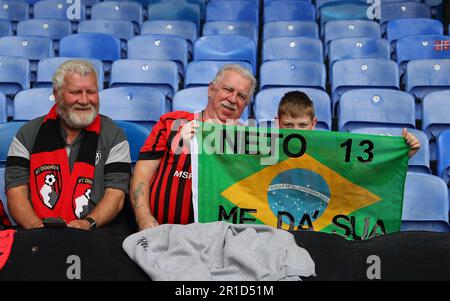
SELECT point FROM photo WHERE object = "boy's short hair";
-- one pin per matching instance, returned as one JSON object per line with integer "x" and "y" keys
{"x": 296, "y": 104}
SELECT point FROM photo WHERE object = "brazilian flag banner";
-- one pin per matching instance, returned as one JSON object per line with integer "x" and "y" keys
{"x": 348, "y": 184}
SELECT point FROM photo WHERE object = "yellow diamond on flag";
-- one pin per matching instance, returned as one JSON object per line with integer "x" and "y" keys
{"x": 345, "y": 196}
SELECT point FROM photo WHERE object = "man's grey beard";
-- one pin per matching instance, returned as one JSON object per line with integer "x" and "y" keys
{"x": 76, "y": 120}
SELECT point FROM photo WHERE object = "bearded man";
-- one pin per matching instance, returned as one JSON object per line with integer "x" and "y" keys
{"x": 72, "y": 163}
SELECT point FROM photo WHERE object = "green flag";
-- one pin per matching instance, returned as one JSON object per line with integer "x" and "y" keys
{"x": 348, "y": 184}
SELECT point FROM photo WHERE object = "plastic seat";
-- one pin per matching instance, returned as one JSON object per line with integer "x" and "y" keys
{"x": 266, "y": 105}
{"x": 47, "y": 67}
{"x": 122, "y": 29}
{"x": 195, "y": 100}
{"x": 232, "y": 11}
{"x": 443, "y": 155}
{"x": 289, "y": 11}
{"x": 32, "y": 103}
{"x": 2, "y": 193}
{"x": 184, "y": 29}
{"x": 7, "y": 132}
{"x": 375, "y": 107}
{"x": 343, "y": 10}
{"x": 6, "y": 28}
{"x": 425, "y": 203}
{"x": 401, "y": 28}
{"x": 119, "y": 10}
{"x": 14, "y": 10}
{"x": 201, "y": 73}
{"x": 358, "y": 48}
{"x": 292, "y": 48}
{"x": 162, "y": 75}
{"x": 290, "y": 29}
{"x": 320, "y": 3}
{"x": 3, "y": 108}
{"x": 14, "y": 74}
{"x": 100, "y": 46}
{"x": 362, "y": 73}
{"x": 246, "y": 29}
{"x": 292, "y": 73}
{"x": 159, "y": 47}
{"x": 404, "y": 9}
{"x": 59, "y": 9}
{"x": 420, "y": 162}
{"x": 141, "y": 105}
{"x": 136, "y": 136}
{"x": 175, "y": 10}
{"x": 226, "y": 48}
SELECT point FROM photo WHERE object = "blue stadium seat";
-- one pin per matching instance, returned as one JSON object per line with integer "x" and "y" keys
{"x": 343, "y": 10}
{"x": 421, "y": 47}
{"x": 349, "y": 29}
{"x": 375, "y": 107}
{"x": 14, "y": 10}
{"x": 201, "y": 73}
{"x": 243, "y": 28}
{"x": 420, "y": 162}
{"x": 226, "y": 48}
{"x": 59, "y": 9}
{"x": 32, "y": 103}
{"x": 195, "y": 100}
{"x": 320, "y": 3}
{"x": 266, "y": 105}
{"x": 136, "y": 136}
{"x": 290, "y": 29}
{"x": 400, "y": 10}
{"x": 232, "y": 11}
{"x": 362, "y": 73}
{"x": 47, "y": 67}
{"x": 121, "y": 28}
{"x": 118, "y": 10}
{"x": 292, "y": 48}
{"x": 175, "y": 10}
{"x": 2, "y": 192}
{"x": 401, "y": 28}
{"x": 162, "y": 75}
{"x": 100, "y": 46}
{"x": 435, "y": 119}
{"x": 443, "y": 155}
{"x": 425, "y": 203}
{"x": 358, "y": 48}
{"x": 3, "y": 108}
{"x": 7, "y": 132}
{"x": 6, "y": 28}
{"x": 51, "y": 28}
{"x": 292, "y": 73}
{"x": 160, "y": 47}
{"x": 142, "y": 105}
{"x": 289, "y": 11}
{"x": 31, "y": 48}
{"x": 14, "y": 74}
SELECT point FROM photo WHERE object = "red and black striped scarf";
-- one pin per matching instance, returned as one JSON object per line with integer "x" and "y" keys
{"x": 55, "y": 190}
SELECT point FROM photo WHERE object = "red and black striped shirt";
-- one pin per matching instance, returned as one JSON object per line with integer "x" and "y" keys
{"x": 171, "y": 185}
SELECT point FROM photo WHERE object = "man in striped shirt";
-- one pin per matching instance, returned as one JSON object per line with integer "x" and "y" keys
{"x": 161, "y": 187}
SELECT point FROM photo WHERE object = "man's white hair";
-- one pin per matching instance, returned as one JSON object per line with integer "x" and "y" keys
{"x": 244, "y": 72}
{"x": 80, "y": 67}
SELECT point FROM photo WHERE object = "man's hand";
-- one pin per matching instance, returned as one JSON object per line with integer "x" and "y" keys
{"x": 412, "y": 142}
{"x": 187, "y": 132}
{"x": 79, "y": 224}
{"x": 147, "y": 223}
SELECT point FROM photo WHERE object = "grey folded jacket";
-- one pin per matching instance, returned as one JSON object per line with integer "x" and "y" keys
{"x": 218, "y": 251}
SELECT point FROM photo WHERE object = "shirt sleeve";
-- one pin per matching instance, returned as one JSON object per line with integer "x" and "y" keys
{"x": 156, "y": 144}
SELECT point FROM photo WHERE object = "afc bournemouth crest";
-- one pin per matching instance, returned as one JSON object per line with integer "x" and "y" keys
{"x": 82, "y": 196}
{"x": 48, "y": 182}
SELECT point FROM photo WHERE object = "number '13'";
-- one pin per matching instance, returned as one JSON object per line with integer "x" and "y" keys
{"x": 368, "y": 150}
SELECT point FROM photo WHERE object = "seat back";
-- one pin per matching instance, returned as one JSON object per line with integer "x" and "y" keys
{"x": 443, "y": 156}
{"x": 32, "y": 103}
{"x": 289, "y": 11}
{"x": 358, "y": 48}
{"x": 292, "y": 48}
{"x": 136, "y": 136}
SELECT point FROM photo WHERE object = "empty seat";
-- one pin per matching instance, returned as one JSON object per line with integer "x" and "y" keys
{"x": 100, "y": 46}
{"x": 195, "y": 100}
{"x": 420, "y": 162}
{"x": 375, "y": 107}
{"x": 443, "y": 156}
{"x": 122, "y": 29}
{"x": 425, "y": 203}
{"x": 6, "y": 28}
{"x": 174, "y": 10}
{"x": 246, "y": 29}
{"x": 290, "y": 29}
{"x": 358, "y": 48}
{"x": 180, "y": 28}
{"x": 401, "y": 28}
{"x": 362, "y": 73}
{"x": 14, "y": 10}
{"x": 226, "y": 48}
{"x": 32, "y": 103}
{"x": 266, "y": 105}
{"x": 118, "y": 10}
{"x": 162, "y": 75}
{"x": 142, "y": 105}
{"x": 59, "y": 9}
{"x": 3, "y": 108}
{"x": 343, "y": 10}
{"x": 292, "y": 73}
{"x": 201, "y": 73}
{"x": 292, "y": 48}
{"x": 7, "y": 132}
{"x": 47, "y": 67}
{"x": 289, "y": 11}
{"x": 136, "y": 136}
{"x": 403, "y": 9}
{"x": 14, "y": 74}
{"x": 232, "y": 11}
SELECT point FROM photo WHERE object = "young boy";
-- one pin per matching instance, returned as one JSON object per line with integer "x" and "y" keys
{"x": 296, "y": 111}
